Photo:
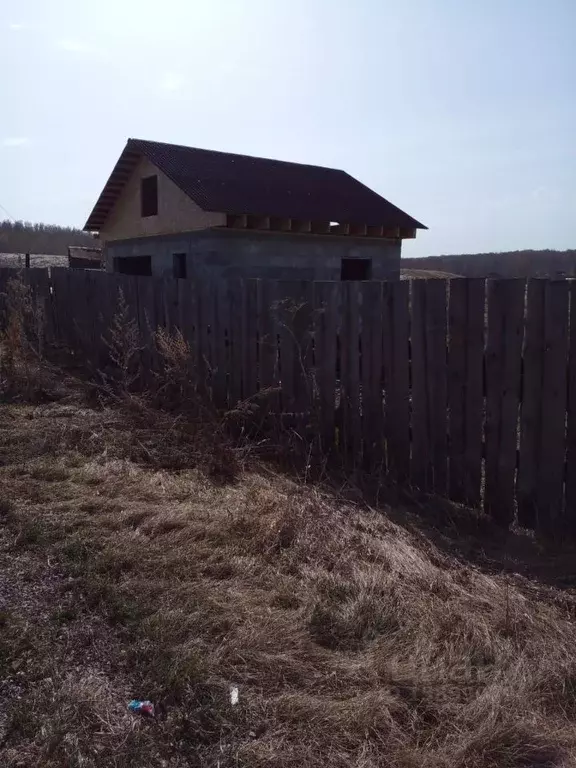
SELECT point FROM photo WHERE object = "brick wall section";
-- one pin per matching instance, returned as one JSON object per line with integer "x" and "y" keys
{"x": 176, "y": 211}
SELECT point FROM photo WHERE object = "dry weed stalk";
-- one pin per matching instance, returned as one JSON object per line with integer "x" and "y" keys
{"x": 23, "y": 368}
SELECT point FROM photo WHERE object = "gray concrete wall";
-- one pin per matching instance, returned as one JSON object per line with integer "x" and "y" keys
{"x": 276, "y": 256}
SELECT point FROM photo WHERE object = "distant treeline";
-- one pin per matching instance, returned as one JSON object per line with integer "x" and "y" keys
{"x": 506, "y": 264}
{"x": 25, "y": 237}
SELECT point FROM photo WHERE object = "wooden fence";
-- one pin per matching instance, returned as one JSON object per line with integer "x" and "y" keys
{"x": 465, "y": 388}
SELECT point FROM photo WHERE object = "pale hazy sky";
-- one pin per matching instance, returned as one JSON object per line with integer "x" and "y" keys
{"x": 461, "y": 112}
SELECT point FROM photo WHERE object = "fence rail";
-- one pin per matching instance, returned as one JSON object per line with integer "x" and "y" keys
{"x": 465, "y": 388}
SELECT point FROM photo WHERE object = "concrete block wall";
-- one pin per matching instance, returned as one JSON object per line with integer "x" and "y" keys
{"x": 275, "y": 256}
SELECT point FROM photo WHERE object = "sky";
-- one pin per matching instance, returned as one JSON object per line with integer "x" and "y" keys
{"x": 460, "y": 112}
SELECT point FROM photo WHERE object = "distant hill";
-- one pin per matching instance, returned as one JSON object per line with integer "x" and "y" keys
{"x": 505, "y": 264}
{"x": 25, "y": 237}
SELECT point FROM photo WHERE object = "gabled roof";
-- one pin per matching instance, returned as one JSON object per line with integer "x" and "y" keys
{"x": 239, "y": 184}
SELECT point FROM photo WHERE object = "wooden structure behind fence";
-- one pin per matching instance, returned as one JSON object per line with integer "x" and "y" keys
{"x": 465, "y": 388}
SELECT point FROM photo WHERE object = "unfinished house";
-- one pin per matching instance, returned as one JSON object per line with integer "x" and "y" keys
{"x": 174, "y": 210}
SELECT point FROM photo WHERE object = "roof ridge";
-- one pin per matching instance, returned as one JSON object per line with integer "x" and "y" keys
{"x": 238, "y": 154}
{"x": 233, "y": 183}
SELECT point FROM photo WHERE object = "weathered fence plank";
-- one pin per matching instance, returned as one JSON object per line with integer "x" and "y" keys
{"x": 171, "y": 310}
{"x": 420, "y": 469}
{"x": 326, "y": 302}
{"x": 269, "y": 374}
{"x": 396, "y": 359}
{"x": 550, "y": 492}
{"x": 238, "y": 343}
{"x": 106, "y": 289}
{"x": 371, "y": 317}
{"x": 221, "y": 344}
{"x": 503, "y": 374}
{"x": 436, "y": 380}
{"x": 350, "y": 376}
{"x": 531, "y": 409}
{"x": 457, "y": 382}
{"x": 250, "y": 339}
{"x": 206, "y": 328}
{"x": 39, "y": 283}
{"x": 303, "y": 330}
{"x": 6, "y": 274}
{"x": 62, "y": 315}
{"x": 474, "y": 412}
{"x": 285, "y": 309}
{"x": 570, "y": 491}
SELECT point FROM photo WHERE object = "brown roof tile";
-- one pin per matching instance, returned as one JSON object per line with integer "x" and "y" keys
{"x": 239, "y": 184}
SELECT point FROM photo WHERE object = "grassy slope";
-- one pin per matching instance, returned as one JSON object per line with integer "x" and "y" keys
{"x": 354, "y": 641}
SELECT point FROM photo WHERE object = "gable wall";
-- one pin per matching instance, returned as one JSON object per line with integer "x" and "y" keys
{"x": 176, "y": 211}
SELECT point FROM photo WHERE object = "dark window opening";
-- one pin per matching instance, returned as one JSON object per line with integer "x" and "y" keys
{"x": 133, "y": 265}
{"x": 179, "y": 265}
{"x": 356, "y": 269}
{"x": 149, "y": 196}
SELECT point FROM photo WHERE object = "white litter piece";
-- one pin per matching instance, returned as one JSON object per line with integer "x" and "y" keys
{"x": 234, "y": 695}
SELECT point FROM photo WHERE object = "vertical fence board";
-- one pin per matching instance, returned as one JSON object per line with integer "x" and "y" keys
{"x": 457, "y": 381}
{"x": 140, "y": 291}
{"x": 106, "y": 290}
{"x": 396, "y": 358}
{"x": 250, "y": 337}
{"x": 474, "y": 405}
{"x": 550, "y": 493}
{"x": 390, "y": 376}
{"x": 350, "y": 374}
{"x": 531, "y": 409}
{"x": 436, "y": 363}
{"x": 326, "y": 302}
{"x": 59, "y": 296}
{"x": 420, "y": 469}
{"x": 39, "y": 282}
{"x": 5, "y": 275}
{"x": 570, "y": 500}
{"x": 187, "y": 321}
{"x": 268, "y": 339}
{"x": 206, "y": 321}
{"x": 116, "y": 294}
{"x": 303, "y": 357}
{"x": 160, "y": 288}
{"x": 371, "y": 312}
{"x": 503, "y": 372}
{"x": 284, "y": 310}
{"x": 89, "y": 318}
{"x": 75, "y": 306}
{"x": 171, "y": 309}
{"x": 237, "y": 340}
{"x": 221, "y": 343}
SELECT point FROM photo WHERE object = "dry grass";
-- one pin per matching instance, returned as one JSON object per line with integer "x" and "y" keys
{"x": 353, "y": 641}
{"x": 142, "y": 557}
